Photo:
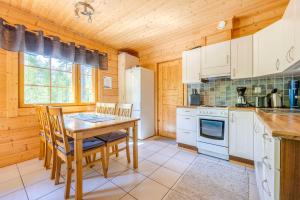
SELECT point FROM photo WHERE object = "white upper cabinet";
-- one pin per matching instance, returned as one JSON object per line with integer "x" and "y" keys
{"x": 241, "y": 134}
{"x": 296, "y": 52}
{"x": 288, "y": 37}
{"x": 242, "y": 57}
{"x": 267, "y": 48}
{"x": 216, "y": 60}
{"x": 191, "y": 66}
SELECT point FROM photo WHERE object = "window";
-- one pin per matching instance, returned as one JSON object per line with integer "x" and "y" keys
{"x": 47, "y": 80}
{"x": 87, "y": 89}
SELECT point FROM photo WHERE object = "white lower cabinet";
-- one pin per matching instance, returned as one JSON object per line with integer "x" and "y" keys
{"x": 241, "y": 134}
{"x": 267, "y": 162}
{"x": 186, "y": 126}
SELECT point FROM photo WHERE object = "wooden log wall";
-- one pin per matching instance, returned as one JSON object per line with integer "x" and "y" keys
{"x": 19, "y": 139}
{"x": 238, "y": 26}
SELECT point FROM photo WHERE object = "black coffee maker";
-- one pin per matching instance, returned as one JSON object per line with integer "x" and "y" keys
{"x": 241, "y": 100}
{"x": 294, "y": 94}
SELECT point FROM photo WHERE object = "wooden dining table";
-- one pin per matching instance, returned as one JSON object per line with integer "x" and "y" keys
{"x": 80, "y": 129}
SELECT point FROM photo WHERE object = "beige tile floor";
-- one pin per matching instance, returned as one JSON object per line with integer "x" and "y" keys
{"x": 161, "y": 165}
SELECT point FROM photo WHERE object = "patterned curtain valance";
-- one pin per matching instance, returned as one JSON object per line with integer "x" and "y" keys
{"x": 17, "y": 38}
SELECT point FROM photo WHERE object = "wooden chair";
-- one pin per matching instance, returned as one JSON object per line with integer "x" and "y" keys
{"x": 49, "y": 145}
{"x": 64, "y": 148}
{"x": 112, "y": 140}
{"x": 41, "y": 133}
{"x": 106, "y": 108}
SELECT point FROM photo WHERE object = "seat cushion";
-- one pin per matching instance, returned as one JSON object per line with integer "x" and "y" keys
{"x": 113, "y": 136}
{"x": 88, "y": 144}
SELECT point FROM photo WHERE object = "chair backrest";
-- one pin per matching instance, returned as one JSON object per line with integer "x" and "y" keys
{"x": 38, "y": 111}
{"x": 57, "y": 128}
{"x": 106, "y": 108}
{"x": 124, "y": 109}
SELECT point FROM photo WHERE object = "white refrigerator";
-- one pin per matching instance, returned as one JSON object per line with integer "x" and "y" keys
{"x": 140, "y": 92}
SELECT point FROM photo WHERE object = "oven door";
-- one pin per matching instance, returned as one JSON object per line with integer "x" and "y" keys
{"x": 213, "y": 130}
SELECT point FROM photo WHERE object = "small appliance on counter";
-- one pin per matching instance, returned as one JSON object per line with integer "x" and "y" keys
{"x": 241, "y": 101}
{"x": 294, "y": 94}
{"x": 195, "y": 98}
{"x": 261, "y": 102}
{"x": 274, "y": 99}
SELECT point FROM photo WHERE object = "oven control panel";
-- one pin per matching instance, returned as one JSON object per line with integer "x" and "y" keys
{"x": 219, "y": 112}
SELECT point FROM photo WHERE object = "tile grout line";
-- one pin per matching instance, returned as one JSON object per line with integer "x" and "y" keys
{"x": 22, "y": 182}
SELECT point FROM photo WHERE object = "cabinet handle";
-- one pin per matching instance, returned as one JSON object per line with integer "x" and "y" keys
{"x": 227, "y": 59}
{"x": 289, "y": 53}
{"x": 287, "y": 56}
{"x": 266, "y": 163}
{"x": 265, "y": 187}
{"x": 187, "y": 132}
{"x": 233, "y": 72}
{"x": 187, "y": 118}
{"x": 199, "y": 76}
{"x": 266, "y": 137}
{"x": 277, "y": 64}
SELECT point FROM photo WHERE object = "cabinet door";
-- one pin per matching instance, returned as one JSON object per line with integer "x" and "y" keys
{"x": 194, "y": 66}
{"x": 216, "y": 55}
{"x": 267, "y": 47}
{"x": 258, "y": 142}
{"x": 288, "y": 35}
{"x": 241, "y": 134}
{"x": 241, "y": 57}
{"x": 295, "y": 53}
{"x": 191, "y": 66}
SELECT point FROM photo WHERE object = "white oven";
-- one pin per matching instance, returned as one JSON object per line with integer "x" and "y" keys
{"x": 212, "y": 132}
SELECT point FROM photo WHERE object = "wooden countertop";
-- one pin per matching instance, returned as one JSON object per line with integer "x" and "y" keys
{"x": 279, "y": 125}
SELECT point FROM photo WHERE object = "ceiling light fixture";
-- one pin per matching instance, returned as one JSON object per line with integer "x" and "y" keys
{"x": 84, "y": 8}
{"x": 221, "y": 25}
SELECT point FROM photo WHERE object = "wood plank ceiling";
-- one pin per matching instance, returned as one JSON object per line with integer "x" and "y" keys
{"x": 141, "y": 24}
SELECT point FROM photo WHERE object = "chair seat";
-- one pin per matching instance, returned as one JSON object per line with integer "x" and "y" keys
{"x": 88, "y": 144}
{"x": 113, "y": 136}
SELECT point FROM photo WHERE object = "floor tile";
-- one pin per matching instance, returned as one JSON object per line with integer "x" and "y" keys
{"x": 253, "y": 192}
{"x": 176, "y": 165}
{"x": 149, "y": 190}
{"x": 154, "y": 147}
{"x": 165, "y": 177}
{"x": 145, "y": 153}
{"x": 128, "y": 180}
{"x": 115, "y": 168}
{"x": 30, "y": 166}
{"x": 9, "y": 172}
{"x": 37, "y": 176}
{"x": 185, "y": 156}
{"x": 169, "y": 150}
{"x": 128, "y": 197}
{"x": 107, "y": 191}
{"x": 91, "y": 182}
{"x": 10, "y": 186}
{"x": 58, "y": 194}
{"x": 158, "y": 158}
{"x": 146, "y": 167}
{"x": 19, "y": 195}
{"x": 42, "y": 188}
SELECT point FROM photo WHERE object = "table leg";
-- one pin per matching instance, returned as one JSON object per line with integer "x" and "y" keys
{"x": 135, "y": 146}
{"x": 78, "y": 168}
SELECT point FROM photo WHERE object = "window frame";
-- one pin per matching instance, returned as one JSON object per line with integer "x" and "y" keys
{"x": 76, "y": 86}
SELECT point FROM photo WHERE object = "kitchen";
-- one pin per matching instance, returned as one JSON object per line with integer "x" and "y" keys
{"x": 150, "y": 100}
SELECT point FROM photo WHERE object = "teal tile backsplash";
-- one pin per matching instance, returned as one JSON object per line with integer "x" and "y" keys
{"x": 223, "y": 91}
